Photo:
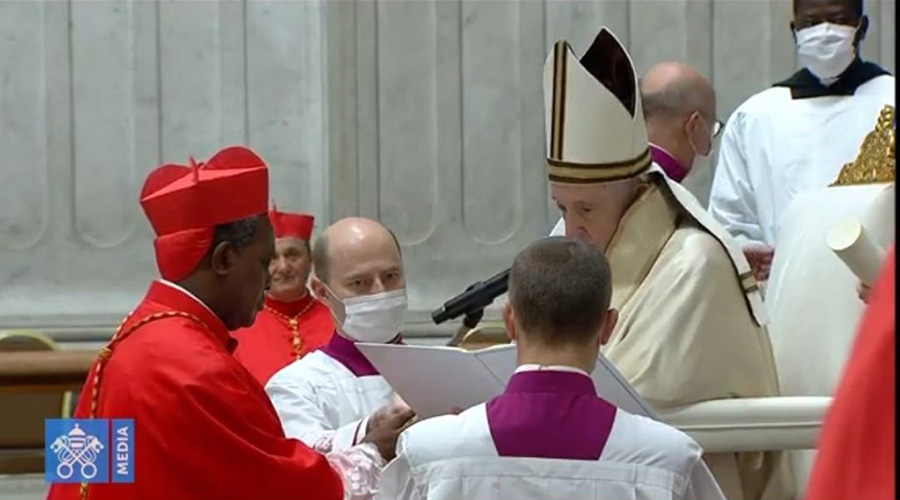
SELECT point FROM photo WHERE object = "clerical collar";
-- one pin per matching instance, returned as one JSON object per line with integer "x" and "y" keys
{"x": 805, "y": 85}
{"x": 186, "y": 292}
{"x": 550, "y": 381}
{"x": 531, "y": 367}
{"x": 668, "y": 163}
{"x": 290, "y": 309}
{"x": 176, "y": 298}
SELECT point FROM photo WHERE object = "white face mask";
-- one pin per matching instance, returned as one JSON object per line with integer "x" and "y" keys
{"x": 373, "y": 318}
{"x": 826, "y": 49}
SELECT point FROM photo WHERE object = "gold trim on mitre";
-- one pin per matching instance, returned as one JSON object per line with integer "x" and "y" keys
{"x": 594, "y": 122}
{"x": 559, "y": 99}
{"x": 587, "y": 173}
{"x": 875, "y": 162}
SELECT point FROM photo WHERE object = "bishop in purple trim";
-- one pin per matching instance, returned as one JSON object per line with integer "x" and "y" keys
{"x": 680, "y": 113}
{"x": 334, "y": 397}
{"x": 549, "y": 435}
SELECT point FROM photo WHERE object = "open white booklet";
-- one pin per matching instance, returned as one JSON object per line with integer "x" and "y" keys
{"x": 434, "y": 379}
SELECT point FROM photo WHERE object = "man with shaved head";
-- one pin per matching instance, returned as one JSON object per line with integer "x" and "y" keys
{"x": 680, "y": 111}
{"x": 330, "y": 398}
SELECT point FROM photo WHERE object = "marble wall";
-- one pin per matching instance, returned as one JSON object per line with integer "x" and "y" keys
{"x": 424, "y": 114}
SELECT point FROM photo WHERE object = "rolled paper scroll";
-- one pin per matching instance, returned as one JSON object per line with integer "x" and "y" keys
{"x": 849, "y": 240}
{"x": 878, "y": 218}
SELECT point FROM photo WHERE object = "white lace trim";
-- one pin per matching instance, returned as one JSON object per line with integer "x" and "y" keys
{"x": 360, "y": 469}
{"x": 324, "y": 442}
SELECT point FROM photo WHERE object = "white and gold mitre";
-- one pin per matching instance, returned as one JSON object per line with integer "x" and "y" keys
{"x": 595, "y": 133}
{"x": 592, "y": 112}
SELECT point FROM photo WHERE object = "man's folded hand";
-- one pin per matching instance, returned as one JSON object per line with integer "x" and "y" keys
{"x": 385, "y": 426}
{"x": 760, "y": 258}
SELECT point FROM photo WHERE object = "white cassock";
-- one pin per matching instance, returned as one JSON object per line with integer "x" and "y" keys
{"x": 548, "y": 436}
{"x": 812, "y": 299}
{"x": 325, "y": 398}
{"x": 775, "y": 146}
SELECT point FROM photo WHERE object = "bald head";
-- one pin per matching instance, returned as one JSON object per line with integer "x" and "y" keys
{"x": 354, "y": 246}
{"x": 680, "y": 113}
{"x": 672, "y": 90}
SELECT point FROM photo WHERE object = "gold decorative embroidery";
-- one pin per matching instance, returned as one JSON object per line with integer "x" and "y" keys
{"x": 106, "y": 353}
{"x": 583, "y": 173}
{"x": 294, "y": 325}
{"x": 875, "y": 162}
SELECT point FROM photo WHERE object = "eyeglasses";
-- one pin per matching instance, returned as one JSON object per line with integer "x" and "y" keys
{"x": 717, "y": 128}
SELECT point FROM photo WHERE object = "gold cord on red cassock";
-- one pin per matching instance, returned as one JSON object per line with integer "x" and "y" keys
{"x": 107, "y": 351}
{"x": 294, "y": 325}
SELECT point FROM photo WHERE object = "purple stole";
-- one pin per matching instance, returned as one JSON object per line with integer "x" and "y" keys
{"x": 344, "y": 351}
{"x": 550, "y": 414}
{"x": 673, "y": 168}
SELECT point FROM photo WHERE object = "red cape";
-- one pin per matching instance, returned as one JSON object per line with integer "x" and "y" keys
{"x": 204, "y": 428}
{"x": 856, "y": 449}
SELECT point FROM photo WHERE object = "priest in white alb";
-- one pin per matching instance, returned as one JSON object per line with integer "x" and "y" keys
{"x": 797, "y": 134}
{"x": 691, "y": 319}
{"x": 330, "y": 398}
{"x": 549, "y": 435}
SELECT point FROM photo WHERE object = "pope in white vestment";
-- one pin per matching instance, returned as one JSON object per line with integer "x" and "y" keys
{"x": 691, "y": 325}
{"x": 549, "y": 436}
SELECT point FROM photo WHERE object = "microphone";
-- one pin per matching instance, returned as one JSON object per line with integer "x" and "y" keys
{"x": 477, "y": 296}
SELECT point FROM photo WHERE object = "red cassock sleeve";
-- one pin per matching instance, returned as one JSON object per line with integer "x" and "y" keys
{"x": 204, "y": 428}
{"x": 856, "y": 449}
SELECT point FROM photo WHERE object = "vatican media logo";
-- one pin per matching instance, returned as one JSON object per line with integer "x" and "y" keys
{"x": 94, "y": 450}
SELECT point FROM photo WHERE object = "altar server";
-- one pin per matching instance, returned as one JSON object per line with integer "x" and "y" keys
{"x": 798, "y": 134}
{"x": 333, "y": 397}
{"x": 549, "y": 435}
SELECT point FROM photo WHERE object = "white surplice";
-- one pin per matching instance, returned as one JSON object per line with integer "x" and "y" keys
{"x": 322, "y": 403}
{"x": 454, "y": 457}
{"x": 775, "y": 147}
